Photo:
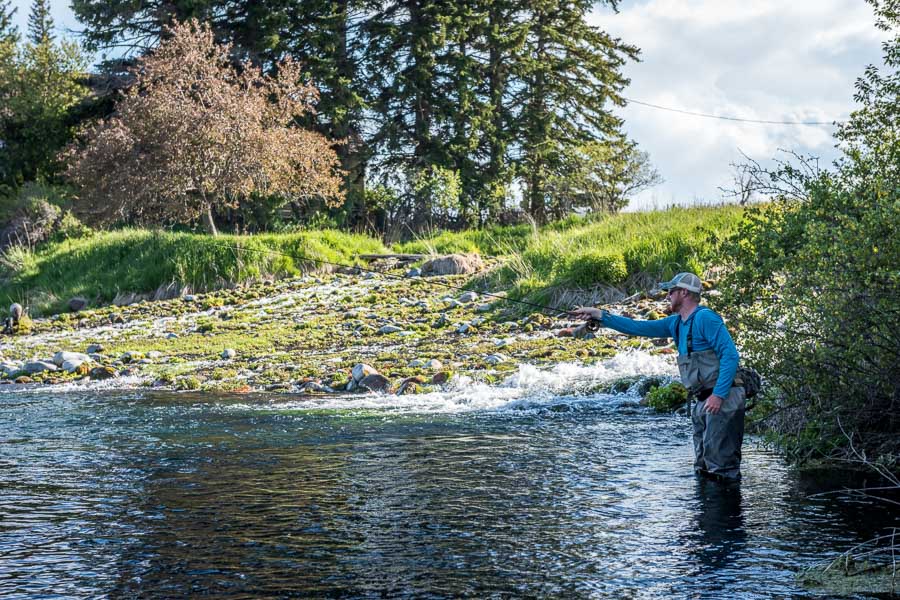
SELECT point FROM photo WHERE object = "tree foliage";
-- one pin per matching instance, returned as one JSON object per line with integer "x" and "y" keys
{"x": 501, "y": 93}
{"x": 814, "y": 282}
{"x": 40, "y": 87}
{"x": 40, "y": 23}
{"x": 195, "y": 134}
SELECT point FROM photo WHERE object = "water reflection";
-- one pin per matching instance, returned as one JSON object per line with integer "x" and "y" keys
{"x": 165, "y": 496}
{"x": 719, "y": 525}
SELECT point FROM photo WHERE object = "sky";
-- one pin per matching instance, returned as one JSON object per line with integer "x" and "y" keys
{"x": 761, "y": 59}
{"x": 764, "y": 59}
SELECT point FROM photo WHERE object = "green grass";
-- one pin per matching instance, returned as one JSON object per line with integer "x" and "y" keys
{"x": 574, "y": 253}
{"x": 581, "y": 252}
{"x": 100, "y": 266}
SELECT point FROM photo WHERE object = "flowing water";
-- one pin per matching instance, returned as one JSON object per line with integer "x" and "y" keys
{"x": 538, "y": 488}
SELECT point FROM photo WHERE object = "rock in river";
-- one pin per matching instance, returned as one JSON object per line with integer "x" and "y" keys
{"x": 361, "y": 370}
{"x": 375, "y": 383}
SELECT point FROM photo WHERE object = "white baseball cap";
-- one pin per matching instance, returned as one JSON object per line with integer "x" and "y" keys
{"x": 688, "y": 281}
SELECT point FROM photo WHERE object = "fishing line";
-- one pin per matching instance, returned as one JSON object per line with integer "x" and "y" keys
{"x": 445, "y": 284}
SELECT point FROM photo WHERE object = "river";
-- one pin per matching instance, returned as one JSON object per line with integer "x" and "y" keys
{"x": 538, "y": 487}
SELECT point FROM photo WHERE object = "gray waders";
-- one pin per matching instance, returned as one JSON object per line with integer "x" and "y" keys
{"x": 717, "y": 437}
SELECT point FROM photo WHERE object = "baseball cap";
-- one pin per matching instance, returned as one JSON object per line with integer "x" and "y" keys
{"x": 688, "y": 281}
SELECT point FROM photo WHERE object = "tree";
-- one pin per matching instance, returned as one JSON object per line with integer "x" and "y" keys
{"x": 40, "y": 23}
{"x": 813, "y": 282}
{"x": 569, "y": 72}
{"x": 40, "y": 86}
{"x": 195, "y": 134}
{"x": 8, "y": 31}
{"x": 599, "y": 177}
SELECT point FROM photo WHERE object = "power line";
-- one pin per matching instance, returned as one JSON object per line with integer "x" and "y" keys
{"x": 708, "y": 116}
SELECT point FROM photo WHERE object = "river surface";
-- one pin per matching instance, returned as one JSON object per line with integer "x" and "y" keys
{"x": 537, "y": 488}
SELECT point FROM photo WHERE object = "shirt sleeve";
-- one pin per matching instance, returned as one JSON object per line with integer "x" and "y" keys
{"x": 713, "y": 329}
{"x": 658, "y": 328}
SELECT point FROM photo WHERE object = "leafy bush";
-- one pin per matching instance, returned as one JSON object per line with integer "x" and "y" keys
{"x": 668, "y": 398}
{"x": 594, "y": 266}
{"x": 814, "y": 285}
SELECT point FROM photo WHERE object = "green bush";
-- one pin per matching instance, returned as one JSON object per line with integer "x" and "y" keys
{"x": 814, "y": 284}
{"x": 667, "y": 398}
{"x": 591, "y": 267}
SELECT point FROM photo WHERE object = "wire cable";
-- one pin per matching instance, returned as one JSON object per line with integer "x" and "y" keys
{"x": 724, "y": 118}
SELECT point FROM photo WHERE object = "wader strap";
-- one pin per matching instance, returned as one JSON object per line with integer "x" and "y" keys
{"x": 690, "y": 335}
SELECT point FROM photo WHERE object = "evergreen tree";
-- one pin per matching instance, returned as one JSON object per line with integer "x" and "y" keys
{"x": 404, "y": 39}
{"x": 569, "y": 72}
{"x": 40, "y": 23}
{"x": 8, "y": 31}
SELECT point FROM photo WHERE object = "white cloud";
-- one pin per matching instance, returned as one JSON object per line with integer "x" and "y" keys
{"x": 766, "y": 59}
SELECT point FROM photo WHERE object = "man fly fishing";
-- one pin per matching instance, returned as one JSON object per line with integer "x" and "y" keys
{"x": 708, "y": 364}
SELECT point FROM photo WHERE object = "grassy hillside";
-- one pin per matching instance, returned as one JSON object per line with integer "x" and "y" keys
{"x": 100, "y": 266}
{"x": 574, "y": 253}
{"x": 611, "y": 249}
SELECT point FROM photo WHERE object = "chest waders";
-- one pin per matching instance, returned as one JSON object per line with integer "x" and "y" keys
{"x": 717, "y": 437}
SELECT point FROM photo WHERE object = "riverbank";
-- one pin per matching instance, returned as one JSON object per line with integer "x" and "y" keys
{"x": 306, "y": 334}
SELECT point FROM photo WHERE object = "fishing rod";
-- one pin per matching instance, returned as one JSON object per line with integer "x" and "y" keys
{"x": 591, "y": 324}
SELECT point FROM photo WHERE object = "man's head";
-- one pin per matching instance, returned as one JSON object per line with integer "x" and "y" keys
{"x": 682, "y": 286}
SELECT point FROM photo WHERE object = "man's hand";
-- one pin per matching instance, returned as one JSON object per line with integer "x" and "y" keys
{"x": 586, "y": 312}
{"x": 714, "y": 404}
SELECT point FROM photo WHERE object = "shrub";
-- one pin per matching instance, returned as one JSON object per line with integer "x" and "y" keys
{"x": 591, "y": 267}
{"x": 668, "y": 398}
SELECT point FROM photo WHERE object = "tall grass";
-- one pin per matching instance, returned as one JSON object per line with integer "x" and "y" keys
{"x": 584, "y": 252}
{"x": 577, "y": 253}
{"x": 105, "y": 264}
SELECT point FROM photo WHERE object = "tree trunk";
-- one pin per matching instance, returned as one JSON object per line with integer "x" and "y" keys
{"x": 208, "y": 224}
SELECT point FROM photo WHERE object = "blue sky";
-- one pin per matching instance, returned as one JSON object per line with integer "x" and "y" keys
{"x": 765, "y": 59}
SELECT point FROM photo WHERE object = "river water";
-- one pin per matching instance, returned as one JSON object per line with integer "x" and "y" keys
{"x": 540, "y": 487}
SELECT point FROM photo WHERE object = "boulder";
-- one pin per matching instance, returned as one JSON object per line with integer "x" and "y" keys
{"x": 415, "y": 363}
{"x": 468, "y": 297}
{"x": 495, "y": 359}
{"x": 95, "y": 349}
{"x": 410, "y": 385}
{"x": 228, "y": 353}
{"x": 439, "y": 378}
{"x": 386, "y": 329}
{"x": 77, "y": 303}
{"x": 60, "y": 357}
{"x": 414, "y": 272}
{"x": 375, "y": 383}
{"x": 71, "y": 366}
{"x": 39, "y": 366}
{"x": 453, "y": 264}
{"x": 483, "y": 308}
{"x": 362, "y": 370}
{"x": 102, "y": 373}
{"x": 434, "y": 364}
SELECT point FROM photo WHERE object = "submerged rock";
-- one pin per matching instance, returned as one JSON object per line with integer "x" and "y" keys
{"x": 375, "y": 383}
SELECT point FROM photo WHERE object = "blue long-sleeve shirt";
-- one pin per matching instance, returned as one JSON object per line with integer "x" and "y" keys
{"x": 709, "y": 333}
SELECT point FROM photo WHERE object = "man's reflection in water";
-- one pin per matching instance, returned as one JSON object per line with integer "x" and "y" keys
{"x": 720, "y": 535}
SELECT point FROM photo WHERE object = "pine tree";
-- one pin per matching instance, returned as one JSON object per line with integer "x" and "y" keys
{"x": 8, "y": 31}
{"x": 569, "y": 73}
{"x": 40, "y": 23}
